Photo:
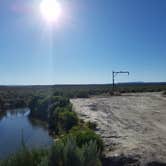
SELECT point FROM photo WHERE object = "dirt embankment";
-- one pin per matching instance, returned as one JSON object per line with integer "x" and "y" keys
{"x": 132, "y": 125}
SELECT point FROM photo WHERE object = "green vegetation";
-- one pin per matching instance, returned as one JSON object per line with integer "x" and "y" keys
{"x": 56, "y": 111}
{"x": 68, "y": 153}
{"x": 85, "y": 135}
{"x": 25, "y": 157}
{"x": 10, "y": 95}
{"x": 62, "y": 153}
{"x": 76, "y": 142}
{"x": 67, "y": 120}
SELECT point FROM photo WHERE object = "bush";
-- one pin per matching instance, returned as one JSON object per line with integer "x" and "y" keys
{"x": 62, "y": 119}
{"x": 67, "y": 120}
{"x": 84, "y": 135}
{"x": 20, "y": 104}
{"x": 65, "y": 154}
{"x": 82, "y": 94}
{"x": 42, "y": 107}
{"x": 91, "y": 155}
{"x": 62, "y": 153}
{"x": 2, "y": 103}
{"x": 25, "y": 157}
{"x": 68, "y": 153}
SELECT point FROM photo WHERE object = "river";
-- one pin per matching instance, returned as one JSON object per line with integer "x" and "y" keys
{"x": 16, "y": 126}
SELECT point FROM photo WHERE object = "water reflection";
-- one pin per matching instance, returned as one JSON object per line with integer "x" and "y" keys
{"x": 12, "y": 123}
{"x": 2, "y": 115}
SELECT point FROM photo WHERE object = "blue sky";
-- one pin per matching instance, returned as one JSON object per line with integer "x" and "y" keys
{"x": 92, "y": 38}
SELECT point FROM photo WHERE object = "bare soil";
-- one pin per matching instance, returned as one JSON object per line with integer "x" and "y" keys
{"x": 131, "y": 125}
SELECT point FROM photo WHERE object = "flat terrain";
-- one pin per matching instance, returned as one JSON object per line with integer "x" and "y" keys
{"x": 132, "y": 124}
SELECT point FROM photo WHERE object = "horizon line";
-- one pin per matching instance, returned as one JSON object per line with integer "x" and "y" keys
{"x": 75, "y": 84}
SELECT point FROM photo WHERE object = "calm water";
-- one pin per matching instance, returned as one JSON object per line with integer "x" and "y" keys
{"x": 14, "y": 124}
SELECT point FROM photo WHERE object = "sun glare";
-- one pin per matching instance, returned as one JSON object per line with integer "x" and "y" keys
{"x": 50, "y": 10}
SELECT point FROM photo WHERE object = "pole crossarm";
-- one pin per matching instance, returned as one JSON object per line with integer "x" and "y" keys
{"x": 115, "y": 73}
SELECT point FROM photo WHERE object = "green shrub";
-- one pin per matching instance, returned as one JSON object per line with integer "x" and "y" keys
{"x": 2, "y": 103}
{"x": 44, "y": 161}
{"x": 62, "y": 153}
{"x": 20, "y": 103}
{"x": 62, "y": 119}
{"x": 68, "y": 153}
{"x": 67, "y": 120}
{"x": 91, "y": 154}
{"x": 56, "y": 154}
{"x": 43, "y": 107}
{"x": 82, "y": 94}
{"x": 25, "y": 157}
{"x": 84, "y": 135}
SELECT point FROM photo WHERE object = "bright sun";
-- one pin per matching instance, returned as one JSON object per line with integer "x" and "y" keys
{"x": 50, "y": 10}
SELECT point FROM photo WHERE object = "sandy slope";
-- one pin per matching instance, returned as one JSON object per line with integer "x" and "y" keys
{"x": 132, "y": 124}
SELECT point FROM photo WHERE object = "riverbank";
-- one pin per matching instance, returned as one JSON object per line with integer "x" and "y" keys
{"x": 75, "y": 142}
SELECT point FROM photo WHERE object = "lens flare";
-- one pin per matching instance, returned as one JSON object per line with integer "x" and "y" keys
{"x": 50, "y": 10}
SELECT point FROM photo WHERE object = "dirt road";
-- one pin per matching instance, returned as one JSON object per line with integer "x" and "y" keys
{"x": 131, "y": 124}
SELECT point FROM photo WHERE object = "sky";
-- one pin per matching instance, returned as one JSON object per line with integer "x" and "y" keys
{"x": 89, "y": 40}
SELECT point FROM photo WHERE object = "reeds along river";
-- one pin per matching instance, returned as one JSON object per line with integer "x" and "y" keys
{"x": 16, "y": 126}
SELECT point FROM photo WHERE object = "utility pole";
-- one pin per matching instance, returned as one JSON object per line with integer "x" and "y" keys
{"x": 114, "y": 74}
